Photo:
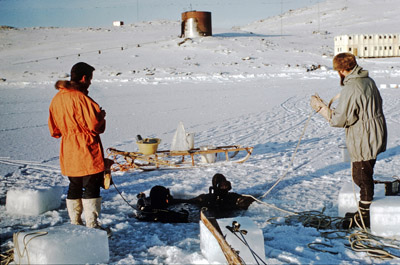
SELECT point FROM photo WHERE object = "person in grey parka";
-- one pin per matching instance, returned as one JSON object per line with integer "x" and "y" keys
{"x": 359, "y": 111}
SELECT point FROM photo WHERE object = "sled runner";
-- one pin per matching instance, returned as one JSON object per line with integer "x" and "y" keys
{"x": 173, "y": 159}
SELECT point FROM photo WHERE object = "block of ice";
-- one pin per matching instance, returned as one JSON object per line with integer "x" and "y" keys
{"x": 385, "y": 216}
{"x": 65, "y": 244}
{"x": 33, "y": 201}
{"x": 346, "y": 201}
{"x": 254, "y": 237}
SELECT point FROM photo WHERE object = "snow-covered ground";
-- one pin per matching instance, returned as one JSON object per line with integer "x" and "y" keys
{"x": 247, "y": 85}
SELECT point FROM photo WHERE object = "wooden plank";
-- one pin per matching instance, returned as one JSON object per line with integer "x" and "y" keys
{"x": 211, "y": 223}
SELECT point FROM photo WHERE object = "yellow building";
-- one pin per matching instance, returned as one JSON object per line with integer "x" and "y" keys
{"x": 369, "y": 45}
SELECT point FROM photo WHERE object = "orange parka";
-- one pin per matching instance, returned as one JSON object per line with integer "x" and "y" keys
{"x": 78, "y": 120}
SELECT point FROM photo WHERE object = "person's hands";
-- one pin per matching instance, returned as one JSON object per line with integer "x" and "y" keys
{"x": 102, "y": 113}
{"x": 319, "y": 106}
{"x": 317, "y": 103}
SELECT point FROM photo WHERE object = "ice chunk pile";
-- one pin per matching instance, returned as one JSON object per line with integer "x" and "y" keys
{"x": 33, "y": 201}
{"x": 254, "y": 237}
{"x": 65, "y": 244}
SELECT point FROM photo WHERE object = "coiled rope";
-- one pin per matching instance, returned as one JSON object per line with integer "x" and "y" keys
{"x": 362, "y": 241}
{"x": 7, "y": 257}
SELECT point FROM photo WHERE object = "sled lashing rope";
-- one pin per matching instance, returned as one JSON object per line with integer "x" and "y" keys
{"x": 25, "y": 249}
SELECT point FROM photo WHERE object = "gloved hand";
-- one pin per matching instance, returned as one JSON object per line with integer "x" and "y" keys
{"x": 319, "y": 106}
{"x": 317, "y": 103}
{"x": 107, "y": 181}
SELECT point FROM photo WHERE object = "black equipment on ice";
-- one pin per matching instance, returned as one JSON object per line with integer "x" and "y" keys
{"x": 155, "y": 207}
{"x": 391, "y": 187}
{"x": 219, "y": 200}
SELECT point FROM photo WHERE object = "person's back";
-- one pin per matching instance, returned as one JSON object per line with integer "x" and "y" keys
{"x": 74, "y": 116}
{"x": 360, "y": 112}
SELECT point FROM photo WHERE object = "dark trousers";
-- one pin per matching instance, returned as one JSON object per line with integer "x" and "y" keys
{"x": 86, "y": 187}
{"x": 363, "y": 172}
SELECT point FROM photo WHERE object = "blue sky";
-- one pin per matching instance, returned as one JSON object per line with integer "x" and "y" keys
{"x": 100, "y": 13}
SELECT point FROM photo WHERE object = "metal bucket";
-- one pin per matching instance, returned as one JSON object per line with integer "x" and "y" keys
{"x": 208, "y": 158}
{"x": 345, "y": 153}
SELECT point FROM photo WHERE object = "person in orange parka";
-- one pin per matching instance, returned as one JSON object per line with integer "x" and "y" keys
{"x": 78, "y": 120}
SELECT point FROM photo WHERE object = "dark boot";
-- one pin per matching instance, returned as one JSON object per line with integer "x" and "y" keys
{"x": 352, "y": 220}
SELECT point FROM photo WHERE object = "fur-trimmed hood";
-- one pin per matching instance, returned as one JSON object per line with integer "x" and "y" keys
{"x": 65, "y": 84}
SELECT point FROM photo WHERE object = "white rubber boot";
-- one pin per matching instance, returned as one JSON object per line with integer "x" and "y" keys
{"x": 92, "y": 208}
{"x": 75, "y": 209}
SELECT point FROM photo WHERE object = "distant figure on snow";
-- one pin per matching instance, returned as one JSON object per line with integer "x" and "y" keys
{"x": 359, "y": 111}
{"x": 78, "y": 120}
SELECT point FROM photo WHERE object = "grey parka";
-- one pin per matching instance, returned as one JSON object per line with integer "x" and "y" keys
{"x": 359, "y": 111}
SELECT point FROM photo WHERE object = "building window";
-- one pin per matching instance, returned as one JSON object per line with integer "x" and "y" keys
{"x": 380, "y": 37}
{"x": 349, "y": 49}
{"x": 365, "y": 48}
{"x": 370, "y": 37}
{"x": 385, "y": 48}
{"x": 390, "y": 47}
{"x": 376, "y": 48}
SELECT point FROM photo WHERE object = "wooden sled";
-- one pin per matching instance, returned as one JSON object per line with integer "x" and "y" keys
{"x": 231, "y": 256}
{"x": 171, "y": 159}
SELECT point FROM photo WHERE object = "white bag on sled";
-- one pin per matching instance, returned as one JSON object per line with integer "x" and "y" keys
{"x": 182, "y": 140}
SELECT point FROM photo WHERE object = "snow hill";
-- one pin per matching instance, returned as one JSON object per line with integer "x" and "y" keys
{"x": 248, "y": 85}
